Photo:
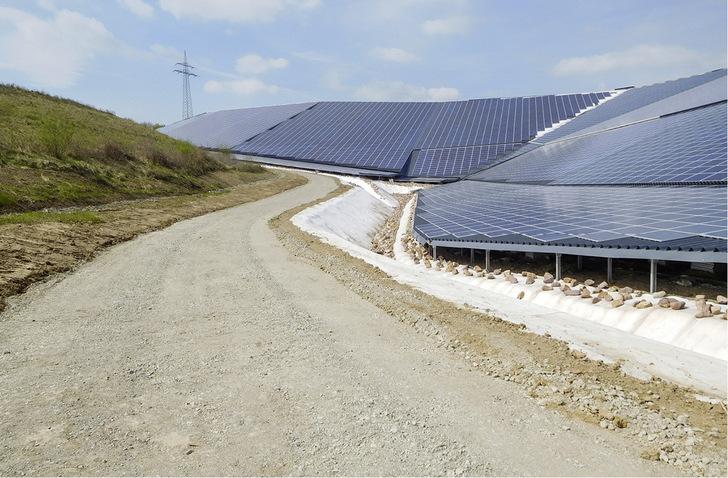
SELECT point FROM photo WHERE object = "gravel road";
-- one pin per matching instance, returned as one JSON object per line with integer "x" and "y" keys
{"x": 208, "y": 348}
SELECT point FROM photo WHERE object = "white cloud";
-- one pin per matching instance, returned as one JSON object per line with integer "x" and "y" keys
{"x": 52, "y": 52}
{"x": 400, "y": 91}
{"x": 446, "y": 26}
{"x": 636, "y": 58}
{"x": 393, "y": 54}
{"x": 139, "y": 8}
{"x": 213, "y": 86}
{"x": 246, "y": 87}
{"x": 444, "y": 93}
{"x": 257, "y": 64}
{"x": 235, "y": 11}
{"x": 49, "y": 5}
{"x": 166, "y": 52}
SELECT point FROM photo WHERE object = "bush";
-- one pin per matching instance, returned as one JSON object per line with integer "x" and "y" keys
{"x": 250, "y": 167}
{"x": 160, "y": 158}
{"x": 6, "y": 200}
{"x": 55, "y": 135}
{"x": 115, "y": 153}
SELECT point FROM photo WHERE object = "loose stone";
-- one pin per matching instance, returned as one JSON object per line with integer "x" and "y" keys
{"x": 677, "y": 305}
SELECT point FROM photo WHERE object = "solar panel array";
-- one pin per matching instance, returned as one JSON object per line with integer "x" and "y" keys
{"x": 453, "y": 162}
{"x": 508, "y": 124}
{"x": 645, "y": 170}
{"x": 688, "y": 147}
{"x": 571, "y": 215}
{"x": 225, "y": 129}
{"x": 708, "y": 93}
{"x": 636, "y": 99}
{"x": 500, "y": 120}
{"x": 448, "y": 139}
{"x": 371, "y": 135}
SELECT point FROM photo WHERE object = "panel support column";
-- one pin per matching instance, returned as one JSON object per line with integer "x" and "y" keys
{"x": 653, "y": 275}
{"x": 558, "y": 266}
{"x": 472, "y": 256}
{"x": 579, "y": 262}
{"x": 487, "y": 260}
{"x": 609, "y": 270}
{"x": 434, "y": 252}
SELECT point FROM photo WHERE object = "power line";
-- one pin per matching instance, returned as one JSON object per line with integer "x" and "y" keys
{"x": 186, "y": 94}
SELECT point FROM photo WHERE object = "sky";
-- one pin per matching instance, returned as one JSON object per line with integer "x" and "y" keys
{"x": 120, "y": 55}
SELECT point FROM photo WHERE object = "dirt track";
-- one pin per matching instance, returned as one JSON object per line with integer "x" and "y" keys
{"x": 208, "y": 348}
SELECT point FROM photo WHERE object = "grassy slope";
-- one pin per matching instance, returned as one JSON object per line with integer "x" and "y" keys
{"x": 56, "y": 152}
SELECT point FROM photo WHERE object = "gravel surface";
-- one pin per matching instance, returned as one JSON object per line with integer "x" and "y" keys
{"x": 209, "y": 348}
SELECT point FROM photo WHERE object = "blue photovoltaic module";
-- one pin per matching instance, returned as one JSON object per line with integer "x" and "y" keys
{"x": 404, "y": 137}
{"x": 225, "y": 129}
{"x": 685, "y": 148}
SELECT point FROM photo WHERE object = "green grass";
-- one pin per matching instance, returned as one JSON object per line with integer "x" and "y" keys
{"x": 57, "y": 152}
{"x": 41, "y": 217}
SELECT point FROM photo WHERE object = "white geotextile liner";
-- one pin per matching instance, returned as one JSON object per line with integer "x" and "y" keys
{"x": 664, "y": 342}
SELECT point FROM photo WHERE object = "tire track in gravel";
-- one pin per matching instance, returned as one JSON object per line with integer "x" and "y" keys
{"x": 208, "y": 348}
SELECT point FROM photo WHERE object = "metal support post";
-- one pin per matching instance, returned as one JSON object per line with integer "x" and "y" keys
{"x": 472, "y": 255}
{"x": 653, "y": 275}
{"x": 558, "y": 266}
{"x": 487, "y": 260}
{"x": 609, "y": 270}
{"x": 579, "y": 263}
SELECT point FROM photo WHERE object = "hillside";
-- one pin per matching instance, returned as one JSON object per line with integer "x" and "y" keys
{"x": 55, "y": 152}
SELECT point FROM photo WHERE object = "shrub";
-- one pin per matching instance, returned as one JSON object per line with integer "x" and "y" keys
{"x": 160, "y": 158}
{"x": 250, "y": 167}
{"x": 114, "y": 152}
{"x": 6, "y": 200}
{"x": 55, "y": 135}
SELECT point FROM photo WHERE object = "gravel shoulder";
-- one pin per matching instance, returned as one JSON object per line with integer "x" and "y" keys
{"x": 228, "y": 345}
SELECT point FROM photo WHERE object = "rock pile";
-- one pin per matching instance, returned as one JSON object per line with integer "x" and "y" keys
{"x": 383, "y": 241}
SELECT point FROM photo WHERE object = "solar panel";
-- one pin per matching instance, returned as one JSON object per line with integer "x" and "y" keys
{"x": 225, "y": 129}
{"x": 635, "y": 99}
{"x": 463, "y": 136}
{"x": 384, "y": 135}
{"x": 357, "y": 134}
{"x": 688, "y": 147}
{"x": 570, "y": 213}
{"x": 708, "y": 93}
{"x": 456, "y": 161}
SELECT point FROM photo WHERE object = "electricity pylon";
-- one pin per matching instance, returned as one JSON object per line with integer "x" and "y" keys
{"x": 186, "y": 95}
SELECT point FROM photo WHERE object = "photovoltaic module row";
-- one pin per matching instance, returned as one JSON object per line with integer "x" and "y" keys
{"x": 687, "y": 148}
{"x": 225, "y": 129}
{"x": 642, "y": 103}
{"x": 383, "y": 136}
{"x": 643, "y": 218}
{"x": 355, "y": 134}
{"x": 455, "y": 161}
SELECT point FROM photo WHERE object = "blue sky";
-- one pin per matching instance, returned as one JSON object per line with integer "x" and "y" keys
{"x": 119, "y": 55}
